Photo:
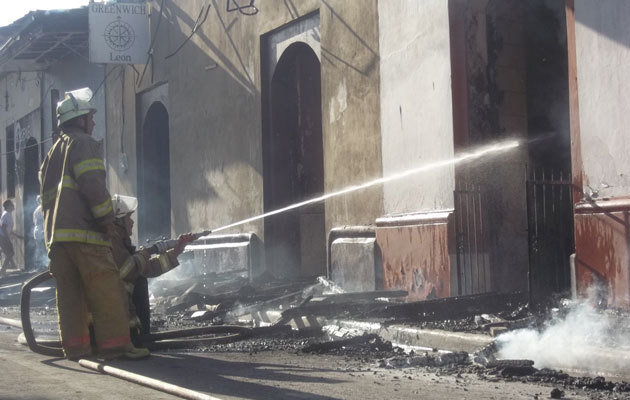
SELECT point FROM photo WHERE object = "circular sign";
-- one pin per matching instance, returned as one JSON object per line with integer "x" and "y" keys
{"x": 18, "y": 139}
{"x": 21, "y": 133}
{"x": 119, "y": 35}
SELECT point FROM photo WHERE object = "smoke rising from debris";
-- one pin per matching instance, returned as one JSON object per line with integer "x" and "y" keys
{"x": 584, "y": 339}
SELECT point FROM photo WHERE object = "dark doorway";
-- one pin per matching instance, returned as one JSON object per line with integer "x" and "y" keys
{"x": 29, "y": 202}
{"x": 154, "y": 182}
{"x": 293, "y": 156}
{"x": 11, "y": 161}
{"x": 549, "y": 199}
{"x": 510, "y": 79}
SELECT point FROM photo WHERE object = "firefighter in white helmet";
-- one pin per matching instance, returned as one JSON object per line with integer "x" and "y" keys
{"x": 78, "y": 227}
{"x": 136, "y": 266}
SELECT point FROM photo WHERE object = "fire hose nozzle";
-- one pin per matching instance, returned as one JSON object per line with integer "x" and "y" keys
{"x": 202, "y": 234}
{"x": 163, "y": 245}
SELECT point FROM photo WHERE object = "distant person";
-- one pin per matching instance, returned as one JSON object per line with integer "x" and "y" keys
{"x": 41, "y": 260}
{"x": 6, "y": 231}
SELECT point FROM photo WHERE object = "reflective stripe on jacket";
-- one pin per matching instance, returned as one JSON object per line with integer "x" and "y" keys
{"x": 76, "y": 204}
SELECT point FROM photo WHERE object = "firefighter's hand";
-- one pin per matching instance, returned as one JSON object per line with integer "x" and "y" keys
{"x": 182, "y": 242}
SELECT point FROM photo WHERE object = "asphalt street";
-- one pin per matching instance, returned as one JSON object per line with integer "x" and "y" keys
{"x": 241, "y": 375}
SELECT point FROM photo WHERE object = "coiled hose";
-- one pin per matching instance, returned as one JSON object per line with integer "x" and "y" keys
{"x": 25, "y": 314}
{"x": 154, "y": 341}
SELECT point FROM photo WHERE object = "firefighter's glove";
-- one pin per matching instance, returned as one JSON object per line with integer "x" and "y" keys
{"x": 145, "y": 253}
{"x": 182, "y": 242}
{"x": 161, "y": 246}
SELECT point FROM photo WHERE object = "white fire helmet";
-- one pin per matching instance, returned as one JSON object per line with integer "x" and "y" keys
{"x": 75, "y": 104}
{"x": 124, "y": 205}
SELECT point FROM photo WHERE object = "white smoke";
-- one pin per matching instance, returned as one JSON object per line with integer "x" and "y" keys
{"x": 585, "y": 339}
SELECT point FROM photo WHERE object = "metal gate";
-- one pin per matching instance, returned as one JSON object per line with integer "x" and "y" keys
{"x": 550, "y": 227}
{"x": 472, "y": 235}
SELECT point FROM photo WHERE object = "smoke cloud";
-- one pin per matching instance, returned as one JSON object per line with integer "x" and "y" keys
{"x": 584, "y": 339}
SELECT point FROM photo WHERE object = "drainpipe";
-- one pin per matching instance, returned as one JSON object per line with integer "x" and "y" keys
{"x": 573, "y": 277}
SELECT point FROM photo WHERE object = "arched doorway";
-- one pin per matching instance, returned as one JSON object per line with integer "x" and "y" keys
{"x": 295, "y": 241}
{"x": 29, "y": 202}
{"x": 154, "y": 182}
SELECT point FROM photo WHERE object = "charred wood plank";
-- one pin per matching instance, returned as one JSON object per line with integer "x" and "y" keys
{"x": 184, "y": 302}
{"x": 265, "y": 331}
{"x": 331, "y": 310}
{"x": 453, "y": 307}
{"x": 358, "y": 296}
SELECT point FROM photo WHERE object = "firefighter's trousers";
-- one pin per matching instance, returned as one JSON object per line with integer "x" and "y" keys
{"x": 88, "y": 280}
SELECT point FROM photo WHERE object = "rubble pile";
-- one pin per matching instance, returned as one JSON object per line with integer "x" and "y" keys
{"x": 256, "y": 345}
{"x": 366, "y": 345}
{"x": 217, "y": 298}
{"x": 591, "y": 383}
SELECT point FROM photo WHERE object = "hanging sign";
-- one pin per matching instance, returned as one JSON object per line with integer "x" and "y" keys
{"x": 119, "y": 33}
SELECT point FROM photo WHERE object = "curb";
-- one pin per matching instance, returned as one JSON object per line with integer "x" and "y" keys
{"x": 401, "y": 335}
{"x": 416, "y": 337}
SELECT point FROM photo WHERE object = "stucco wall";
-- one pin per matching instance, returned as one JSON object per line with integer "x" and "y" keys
{"x": 603, "y": 66}
{"x": 121, "y": 132}
{"x": 350, "y": 109}
{"x": 23, "y": 96}
{"x": 603, "y": 266}
{"x": 416, "y": 117}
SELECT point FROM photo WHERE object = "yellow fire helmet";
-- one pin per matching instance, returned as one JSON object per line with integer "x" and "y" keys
{"x": 75, "y": 104}
{"x": 124, "y": 205}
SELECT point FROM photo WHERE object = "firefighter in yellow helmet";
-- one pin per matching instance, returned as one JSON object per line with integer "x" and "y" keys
{"x": 137, "y": 266}
{"x": 78, "y": 225}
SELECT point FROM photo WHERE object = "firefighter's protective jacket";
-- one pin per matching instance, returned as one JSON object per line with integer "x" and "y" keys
{"x": 75, "y": 201}
{"x": 132, "y": 264}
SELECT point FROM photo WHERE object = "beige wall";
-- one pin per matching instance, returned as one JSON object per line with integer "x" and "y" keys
{"x": 416, "y": 116}
{"x": 603, "y": 66}
{"x": 350, "y": 109}
{"x": 24, "y": 96}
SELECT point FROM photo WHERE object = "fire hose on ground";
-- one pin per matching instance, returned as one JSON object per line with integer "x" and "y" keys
{"x": 146, "y": 381}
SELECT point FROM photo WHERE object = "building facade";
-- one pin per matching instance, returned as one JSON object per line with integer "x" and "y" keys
{"x": 244, "y": 110}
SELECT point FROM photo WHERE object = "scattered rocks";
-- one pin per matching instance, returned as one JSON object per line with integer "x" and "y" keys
{"x": 512, "y": 368}
{"x": 427, "y": 360}
{"x": 368, "y": 346}
{"x": 486, "y": 354}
